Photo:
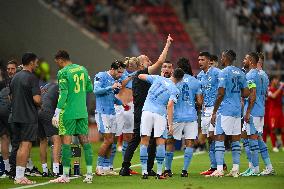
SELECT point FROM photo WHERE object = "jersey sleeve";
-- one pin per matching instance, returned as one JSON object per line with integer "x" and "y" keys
{"x": 251, "y": 80}
{"x": 98, "y": 85}
{"x": 89, "y": 86}
{"x": 117, "y": 101}
{"x": 174, "y": 95}
{"x": 222, "y": 79}
{"x": 198, "y": 85}
{"x": 63, "y": 89}
{"x": 151, "y": 78}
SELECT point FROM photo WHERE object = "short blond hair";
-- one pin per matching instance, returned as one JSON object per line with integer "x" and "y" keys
{"x": 132, "y": 61}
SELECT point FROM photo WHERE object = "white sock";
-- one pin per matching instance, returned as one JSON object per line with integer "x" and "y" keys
{"x": 269, "y": 167}
{"x": 256, "y": 169}
{"x": 20, "y": 172}
{"x": 56, "y": 167}
{"x": 144, "y": 172}
{"x": 250, "y": 165}
{"x": 99, "y": 167}
{"x": 220, "y": 167}
{"x": 106, "y": 168}
{"x": 235, "y": 167}
{"x": 44, "y": 168}
{"x": 30, "y": 164}
{"x": 7, "y": 165}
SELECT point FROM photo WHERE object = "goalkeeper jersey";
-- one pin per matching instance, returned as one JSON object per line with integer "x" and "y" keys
{"x": 74, "y": 82}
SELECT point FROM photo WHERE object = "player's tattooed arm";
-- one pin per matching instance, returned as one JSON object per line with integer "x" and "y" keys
{"x": 251, "y": 101}
{"x": 199, "y": 101}
{"x": 155, "y": 68}
{"x": 125, "y": 81}
{"x": 220, "y": 97}
{"x": 245, "y": 92}
{"x": 170, "y": 112}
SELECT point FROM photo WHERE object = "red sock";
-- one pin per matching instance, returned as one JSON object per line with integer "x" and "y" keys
{"x": 264, "y": 135}
{"x": 282, "y": 138}
{"x": 273, "y": 139}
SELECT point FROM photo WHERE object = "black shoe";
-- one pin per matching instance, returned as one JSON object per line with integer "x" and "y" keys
{"x": 184, "y": 173}
{"x": 33, "y": 172}
{"x": 152, "y": 173}
{"x": 124, "y": 171}
{"x": 160, "y": 177}
{"x": 168, "y": 173}
{"x": 145, "y": 176}
{"x": 5, "y": 174}
{"x": 45, "y": 174}
{"x": 55, "y": 175}
{"x": 12, "y": 175}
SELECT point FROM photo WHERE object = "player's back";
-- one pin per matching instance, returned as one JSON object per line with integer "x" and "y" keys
{"x": 184, "y": 109}
{"x": 78, "y": 84}
{"x": 233, "y": 80}
{"x": 159, "y": 94}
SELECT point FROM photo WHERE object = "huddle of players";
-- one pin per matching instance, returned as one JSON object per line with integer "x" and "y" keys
{"x": 168, "y": 112}
{"x": 228, "y": 94}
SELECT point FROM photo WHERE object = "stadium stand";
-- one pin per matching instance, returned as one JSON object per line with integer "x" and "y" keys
{"x": 264, "y": 21}
{"x": 148, "y": 22}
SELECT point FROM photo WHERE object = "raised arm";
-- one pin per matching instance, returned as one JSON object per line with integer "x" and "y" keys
{"x": 277, "y": 92}
{"x": 155, "y": 68}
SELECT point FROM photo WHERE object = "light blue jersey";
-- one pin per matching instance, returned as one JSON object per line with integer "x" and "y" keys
{"x": 161, "y": 91}
{"x": 233, "y": 80}
{"x": 124, "y": 76}
{"x": 265, "y": 78}
{"x": 257, "y": 80}
{"x": 105, "y": 98}
{"x": 184, "y": 110}
{"x": 209, "y": 85}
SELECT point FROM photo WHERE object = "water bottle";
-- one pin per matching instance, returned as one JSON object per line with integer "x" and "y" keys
{"x": 76, "y": 168}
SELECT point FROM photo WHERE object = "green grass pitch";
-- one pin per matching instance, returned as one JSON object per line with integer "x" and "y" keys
{"x": 199, "y": 163}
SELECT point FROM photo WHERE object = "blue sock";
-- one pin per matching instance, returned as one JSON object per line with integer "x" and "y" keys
{"x": 169, "y": 160}
{"x": 254, "y": 148}
{"x": 264, "y": 153}
{"x": 212, "y": 155}
{"x": 236, "y": 152}
{"x": 124, "y": 146}
{"x": 188, "y": 152}
{"x": 112, "y": 154}
{"x": 247, "y": 149}
{"x": 100, "y": 161}
{"x": 106, "y": 162}
{"x": 219, "y": 154}
{"x": 143, "y": 158}
{"x": 160, "y": 156}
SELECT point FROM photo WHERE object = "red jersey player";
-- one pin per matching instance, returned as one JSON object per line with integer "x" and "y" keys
{"x": 275, "y": 114}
